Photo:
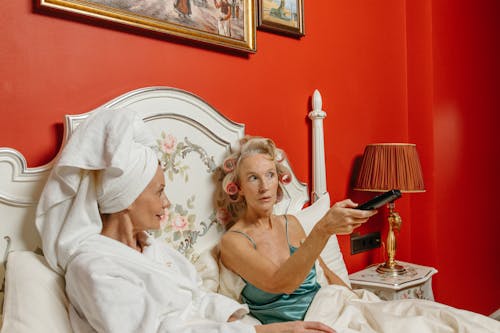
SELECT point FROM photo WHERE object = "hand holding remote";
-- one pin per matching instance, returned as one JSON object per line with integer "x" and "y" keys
{"x": 380, "y": 200}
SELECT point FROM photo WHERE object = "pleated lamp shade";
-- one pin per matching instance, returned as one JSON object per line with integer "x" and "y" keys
{"x": 388, "y": 166}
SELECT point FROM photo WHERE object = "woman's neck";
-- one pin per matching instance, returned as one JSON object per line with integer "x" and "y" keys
{"x": 119, "y": 228}
{"x": 259, "y": 219}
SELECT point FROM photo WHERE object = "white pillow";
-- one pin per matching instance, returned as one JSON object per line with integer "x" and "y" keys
{"x": 35, "y": 300}
{"x": 231, "y": 284}
{"x": 331, "y": 255}
{"x": 208, "y": 270}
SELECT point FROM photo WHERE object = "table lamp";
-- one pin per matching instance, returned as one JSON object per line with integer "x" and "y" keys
{"x": 387, "y": 166}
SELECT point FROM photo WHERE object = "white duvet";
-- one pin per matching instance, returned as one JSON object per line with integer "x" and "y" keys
{"x": 362, "y": 311}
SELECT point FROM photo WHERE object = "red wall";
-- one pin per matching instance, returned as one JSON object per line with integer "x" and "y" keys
{"x": 453, "y": 76}
{"x": 466, "y": 50}
{"x": 421, "y": 71}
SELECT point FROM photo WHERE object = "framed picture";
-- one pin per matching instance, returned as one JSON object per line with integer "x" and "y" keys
{"x": 282, "y": 16}
{"x": 226, "y": 23}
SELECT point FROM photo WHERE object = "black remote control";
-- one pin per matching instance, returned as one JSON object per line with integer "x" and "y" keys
{"x": 380, "y": 200}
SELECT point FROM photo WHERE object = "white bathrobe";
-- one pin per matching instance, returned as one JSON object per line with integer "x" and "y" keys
{"x": 113, "y": 288}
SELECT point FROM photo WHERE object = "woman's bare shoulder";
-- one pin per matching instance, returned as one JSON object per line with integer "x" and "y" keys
{"x": 227, "y": 237}
{"x": 233, "y": 236}
{"x": 293, "y": 222}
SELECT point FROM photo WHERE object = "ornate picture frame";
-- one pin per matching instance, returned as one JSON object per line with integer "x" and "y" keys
{"x": 226, "y": 23}
{"x": 282, "y": 16}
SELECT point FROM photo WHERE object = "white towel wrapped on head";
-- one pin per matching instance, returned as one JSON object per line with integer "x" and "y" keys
{"x": 77, "y": 190}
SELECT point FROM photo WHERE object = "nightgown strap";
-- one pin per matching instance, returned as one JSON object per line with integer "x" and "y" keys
{"x": 247, "y": 236}
{"x": 253, "y": 242}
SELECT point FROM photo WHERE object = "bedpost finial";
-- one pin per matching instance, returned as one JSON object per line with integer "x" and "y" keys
{"x": 317, "y": 102}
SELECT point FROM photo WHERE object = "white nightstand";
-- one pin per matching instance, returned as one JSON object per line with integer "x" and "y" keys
{"x": 416, "y": 283}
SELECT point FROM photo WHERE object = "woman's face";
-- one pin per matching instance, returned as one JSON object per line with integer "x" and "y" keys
{"x": 149, "y": 207}
{"x": 258, "y": 182}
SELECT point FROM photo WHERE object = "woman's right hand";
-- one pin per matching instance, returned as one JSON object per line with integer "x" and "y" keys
{"x": 342, "y": 218}
{"x": 295, "y": 327}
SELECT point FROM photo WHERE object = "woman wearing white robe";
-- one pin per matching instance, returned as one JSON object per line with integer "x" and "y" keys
{"x": 104, "y": 191}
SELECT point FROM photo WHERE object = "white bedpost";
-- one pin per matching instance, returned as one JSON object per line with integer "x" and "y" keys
{"x": 318, "y": 145}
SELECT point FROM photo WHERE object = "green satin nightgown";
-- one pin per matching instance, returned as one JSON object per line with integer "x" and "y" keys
{"x": 271, "y": 308}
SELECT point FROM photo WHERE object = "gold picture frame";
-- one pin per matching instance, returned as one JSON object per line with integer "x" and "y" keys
{"x": 282, "y": 16}
{"x": 226, "y": 23}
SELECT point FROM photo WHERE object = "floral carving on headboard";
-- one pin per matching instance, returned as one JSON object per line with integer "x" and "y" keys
{"x": 179, "y": 226}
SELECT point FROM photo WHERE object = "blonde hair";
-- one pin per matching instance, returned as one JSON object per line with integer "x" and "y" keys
{"x": 227, "y": 193}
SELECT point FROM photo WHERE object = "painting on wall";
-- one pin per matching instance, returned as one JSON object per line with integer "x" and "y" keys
{"x": 282, "y": 16}
{"x": 226, "y": 23}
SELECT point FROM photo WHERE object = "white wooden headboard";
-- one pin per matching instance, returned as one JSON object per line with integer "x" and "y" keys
{"x": 193, "y": 138}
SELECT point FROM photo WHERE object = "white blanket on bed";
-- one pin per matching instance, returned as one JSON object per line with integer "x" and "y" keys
{"x": 362, "y": 311}
{"x": 114, "y": 288}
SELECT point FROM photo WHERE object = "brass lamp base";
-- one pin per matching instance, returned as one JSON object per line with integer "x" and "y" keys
{"x": 391, "y": 267}
{"x": 393, "y": 270}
